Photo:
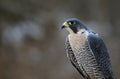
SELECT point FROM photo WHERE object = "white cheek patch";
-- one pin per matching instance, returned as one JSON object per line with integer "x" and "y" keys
{"x": 70, "y": 30}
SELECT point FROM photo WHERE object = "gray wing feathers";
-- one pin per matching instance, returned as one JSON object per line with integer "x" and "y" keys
{"x": 101, "y": 55}
{"x": 73, "y": 60}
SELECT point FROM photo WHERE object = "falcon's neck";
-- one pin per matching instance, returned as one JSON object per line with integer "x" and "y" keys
{"x": 78, "y": 40}
{"x": 82, "y": 32}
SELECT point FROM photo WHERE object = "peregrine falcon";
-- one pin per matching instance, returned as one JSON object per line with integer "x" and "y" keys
{"x": 87, "y": 51}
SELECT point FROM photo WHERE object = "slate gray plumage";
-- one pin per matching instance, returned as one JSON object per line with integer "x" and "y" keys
{"x": 87, "y": 51}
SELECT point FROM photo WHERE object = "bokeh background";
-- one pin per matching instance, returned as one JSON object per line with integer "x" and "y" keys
{"x": 32, "y": 43}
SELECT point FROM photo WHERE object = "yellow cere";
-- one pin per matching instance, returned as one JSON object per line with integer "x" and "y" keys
{"x": 66, "y": 24}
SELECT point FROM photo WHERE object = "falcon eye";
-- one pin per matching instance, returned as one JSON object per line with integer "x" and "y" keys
{"x": 71, "y": 22}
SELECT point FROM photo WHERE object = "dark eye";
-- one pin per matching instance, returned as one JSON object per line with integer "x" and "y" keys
{"x": 71, "y": 22}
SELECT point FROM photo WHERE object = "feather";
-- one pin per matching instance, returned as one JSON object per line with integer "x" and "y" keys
{"x": 73, "y": 60}
{"x": 101, "y": 54}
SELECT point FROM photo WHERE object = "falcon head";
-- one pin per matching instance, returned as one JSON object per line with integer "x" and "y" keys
{"x": 73, "y": 25}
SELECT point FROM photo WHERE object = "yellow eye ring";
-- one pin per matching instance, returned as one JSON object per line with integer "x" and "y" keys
{"x": 69, "y": 23}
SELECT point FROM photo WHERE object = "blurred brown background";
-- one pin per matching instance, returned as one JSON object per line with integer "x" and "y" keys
{"x": 32, "y": 43}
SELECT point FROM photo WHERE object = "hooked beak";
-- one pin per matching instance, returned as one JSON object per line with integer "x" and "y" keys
{"x": 62, "y": 27}
{"x": 65, "y": 25}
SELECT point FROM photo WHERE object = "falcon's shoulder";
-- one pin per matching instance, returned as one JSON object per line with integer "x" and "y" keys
{"x": 98, "y": 47}
{"x": 100, "y": 52}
